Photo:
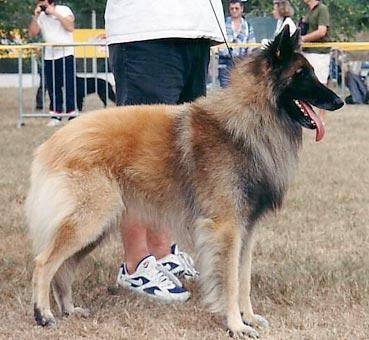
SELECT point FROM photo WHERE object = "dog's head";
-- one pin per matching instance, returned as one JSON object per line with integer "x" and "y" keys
{"x": 296, "y": 86}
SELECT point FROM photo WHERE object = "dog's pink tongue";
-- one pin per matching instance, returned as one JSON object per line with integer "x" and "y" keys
{"x": 319, "y": 127}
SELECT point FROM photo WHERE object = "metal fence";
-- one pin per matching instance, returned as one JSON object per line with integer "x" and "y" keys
{"x": 91, "y": 70}
{"x": 91, "y": 67}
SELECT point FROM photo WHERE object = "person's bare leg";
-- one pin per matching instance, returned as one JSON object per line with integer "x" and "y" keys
{"x": 134, "y": 238}
{"x": 158, "y": 244}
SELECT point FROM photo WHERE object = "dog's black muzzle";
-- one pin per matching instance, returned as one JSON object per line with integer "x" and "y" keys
{"x": 337, "y": 104}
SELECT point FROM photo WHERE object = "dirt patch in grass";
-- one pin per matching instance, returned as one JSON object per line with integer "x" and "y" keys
{"x": 311, "y": 263}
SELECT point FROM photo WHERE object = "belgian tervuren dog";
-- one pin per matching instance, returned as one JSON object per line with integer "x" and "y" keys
{"x": 89, "y": 85}
{"x": 209, "y": 169}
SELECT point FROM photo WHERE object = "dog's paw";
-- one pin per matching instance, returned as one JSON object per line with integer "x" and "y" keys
{"x": 78, "y": 311}
{"x": 255, "y": 320}
{"x": 43, "y": 318}
{"x": 242, "y": 331}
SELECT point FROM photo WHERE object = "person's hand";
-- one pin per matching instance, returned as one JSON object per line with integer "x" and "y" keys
{"x": 50, "y": 10}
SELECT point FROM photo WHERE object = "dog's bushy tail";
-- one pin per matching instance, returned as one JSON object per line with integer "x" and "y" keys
{"x": 48, "y": 203}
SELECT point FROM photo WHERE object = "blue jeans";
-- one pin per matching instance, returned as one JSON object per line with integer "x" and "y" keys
{"x": 225, "y": 63}
{"x": 54, "y": 76}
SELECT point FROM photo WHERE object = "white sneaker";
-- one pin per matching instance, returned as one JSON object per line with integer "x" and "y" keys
{"x": 152, "y": 280}
{"x": 72, "y": 114}
{"x": 54, "y": 122}
{"x": 179, "y": 263}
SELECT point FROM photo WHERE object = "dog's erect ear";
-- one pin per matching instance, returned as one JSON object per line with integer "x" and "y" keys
{"x": 283, "y": 46}
{"x": 296, "y": 39}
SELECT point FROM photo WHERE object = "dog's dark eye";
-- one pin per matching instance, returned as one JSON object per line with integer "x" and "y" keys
{"x": 303, "y": 72}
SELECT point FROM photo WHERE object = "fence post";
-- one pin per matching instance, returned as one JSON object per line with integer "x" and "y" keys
{"x": 34, "y": 72}
{"x": 20, "y": 88}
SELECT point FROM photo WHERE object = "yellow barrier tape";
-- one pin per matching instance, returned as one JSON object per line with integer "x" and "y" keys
{"x": 344, "y": 46}
{"x": 88, "y": 45}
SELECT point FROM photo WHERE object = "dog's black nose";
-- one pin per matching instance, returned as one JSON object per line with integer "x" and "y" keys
{"x": 338, "y": 103}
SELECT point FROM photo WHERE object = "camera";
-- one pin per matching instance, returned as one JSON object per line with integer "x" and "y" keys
{"x": 43, "y": 8}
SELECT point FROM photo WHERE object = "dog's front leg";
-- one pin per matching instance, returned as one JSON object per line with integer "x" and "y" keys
{"x": 245, "y": 283}
{"x": 218, "y": 249}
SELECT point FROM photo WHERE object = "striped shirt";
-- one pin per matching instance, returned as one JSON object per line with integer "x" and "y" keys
{"x": 246, "y": 35}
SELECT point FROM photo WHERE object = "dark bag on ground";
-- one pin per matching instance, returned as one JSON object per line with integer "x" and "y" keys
{"x": 359, "y": 93}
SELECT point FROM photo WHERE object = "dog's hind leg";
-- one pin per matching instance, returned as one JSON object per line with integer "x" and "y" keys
{"x": 47, "y": 263}
{"x": 70, "y": 239}
{"x": 218, "y": 248}
{"x": 245, "y": 283}
{"x": 62, "y": 286}
{"x": 63, "y": 280}
{"x": 62, "y": 289}
{"x": 98, "y": 207}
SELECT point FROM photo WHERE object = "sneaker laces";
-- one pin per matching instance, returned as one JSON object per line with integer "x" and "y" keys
{"x": 187, "y": 263}
{"x": 164, "y": 278}
{"x": 164, "y": 271}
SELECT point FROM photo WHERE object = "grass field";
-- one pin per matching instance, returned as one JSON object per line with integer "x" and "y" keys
{"x": 311, "y": 263}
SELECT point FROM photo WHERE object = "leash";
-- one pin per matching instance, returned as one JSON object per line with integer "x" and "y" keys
{"x": 220, "y": 27}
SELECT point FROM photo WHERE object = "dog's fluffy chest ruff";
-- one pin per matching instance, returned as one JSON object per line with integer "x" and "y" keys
{"x": 251, "y": 173}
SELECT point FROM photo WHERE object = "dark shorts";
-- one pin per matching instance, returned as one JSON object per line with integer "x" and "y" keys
{"x": 169, "y": 71}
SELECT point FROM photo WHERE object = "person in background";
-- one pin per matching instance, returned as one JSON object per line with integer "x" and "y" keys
{"x": 159, "y": 56}
{"x": 282, "y": 12}
{"x": 316, "y": 23}
{"x": 56, "y": 24}
{"x": 238, "y": 31}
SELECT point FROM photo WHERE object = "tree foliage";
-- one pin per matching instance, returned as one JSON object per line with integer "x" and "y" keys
{"x": 83, "y": 12}
{"x": 347, "y": 16}
{"x": 14, "y": 15}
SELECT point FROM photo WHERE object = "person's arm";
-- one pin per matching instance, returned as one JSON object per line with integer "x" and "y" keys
{"x": 323, "y": 23}
{"x": 66, "y": 21}
{"x": 34, "y": 28}
{"x": 315, "y": 35}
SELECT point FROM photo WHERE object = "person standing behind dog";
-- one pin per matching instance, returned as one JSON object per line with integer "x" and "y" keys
{"x": 316, "y": 23}
{"x": 56, "y": 24}
{"x": 282, "y": 12}
{"x": 238, "y": 31}
{"x": 160, "y": 56}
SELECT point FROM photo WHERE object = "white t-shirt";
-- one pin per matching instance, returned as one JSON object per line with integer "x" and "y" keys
{"x": 53, "y": 32}
{"x": 137, "y": 20}
{"x": 283, "y": 22}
